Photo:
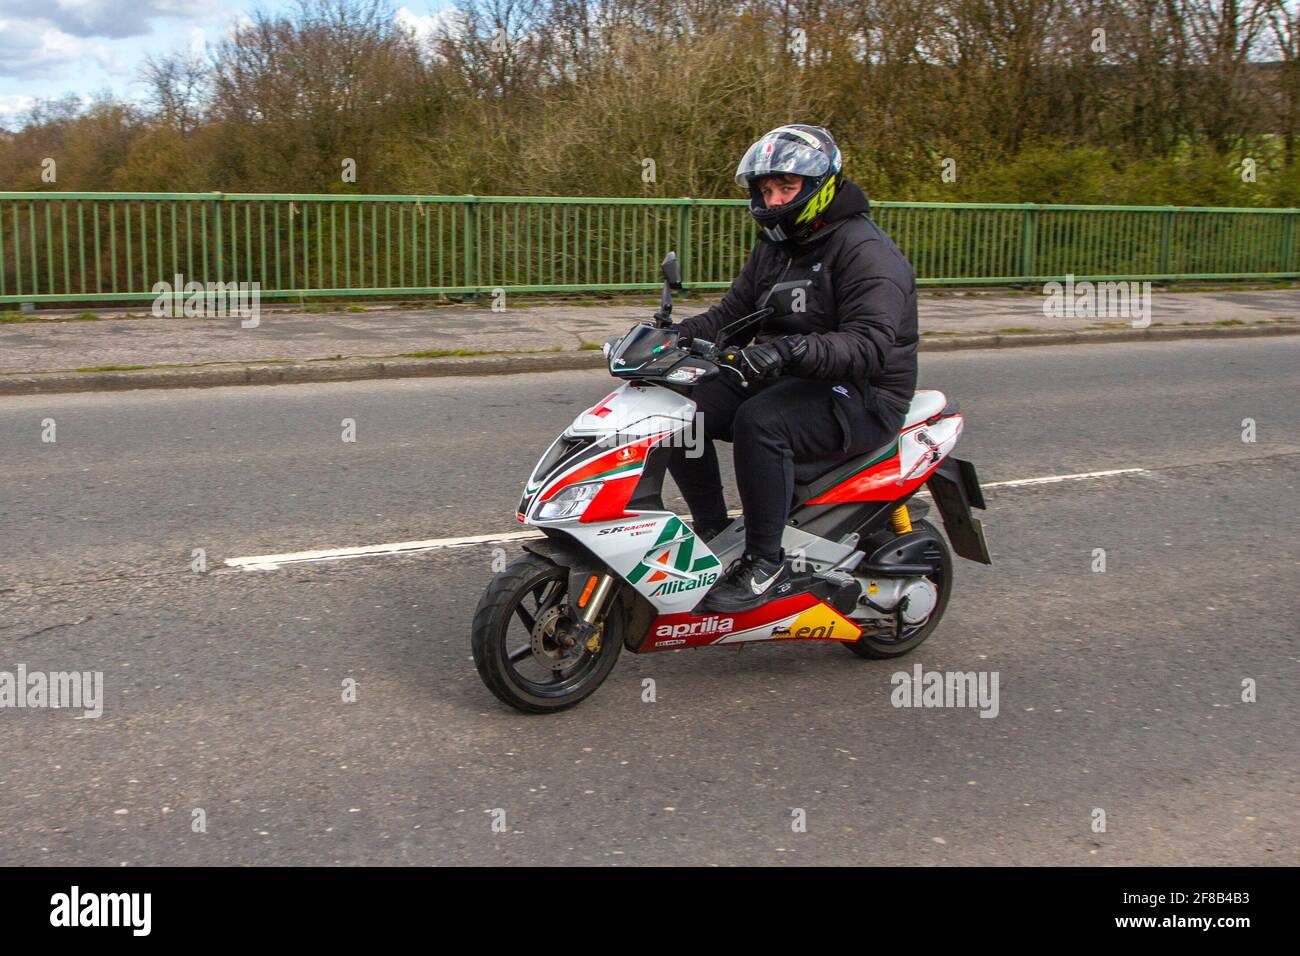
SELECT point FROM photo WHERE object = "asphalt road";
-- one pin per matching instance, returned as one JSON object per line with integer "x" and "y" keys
{"x": 1119, "y": 691}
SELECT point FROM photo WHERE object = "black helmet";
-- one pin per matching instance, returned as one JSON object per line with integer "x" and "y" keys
{"x": 807, "y": 151}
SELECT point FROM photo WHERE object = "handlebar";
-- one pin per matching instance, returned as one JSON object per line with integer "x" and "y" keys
{"x": 723, "y": 357}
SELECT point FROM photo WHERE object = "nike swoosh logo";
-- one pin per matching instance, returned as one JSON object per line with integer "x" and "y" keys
{"x": 760, "y": 588}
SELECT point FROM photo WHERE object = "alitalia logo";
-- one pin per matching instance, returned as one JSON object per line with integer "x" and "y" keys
{"x": 673, "y": 587}
{"x": 671, "y": 564}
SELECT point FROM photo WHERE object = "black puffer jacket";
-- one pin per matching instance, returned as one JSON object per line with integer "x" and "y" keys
{"x": 860, "y": 319}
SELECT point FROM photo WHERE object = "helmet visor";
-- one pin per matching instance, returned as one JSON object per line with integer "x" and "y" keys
{"x": 779, "y": 153}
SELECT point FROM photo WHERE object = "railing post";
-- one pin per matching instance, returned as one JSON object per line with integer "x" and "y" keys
{"x": 220, "y": 236}
{"x": 1028, "y": 241}
{"x": 470, "y": 225}
{"x": 684, "y": 237}
{"x": 1167, "y": 241}
{"x": 1288, "y": 241}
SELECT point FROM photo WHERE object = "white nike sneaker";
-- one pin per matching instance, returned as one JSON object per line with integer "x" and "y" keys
{"x": 750, "y": 581}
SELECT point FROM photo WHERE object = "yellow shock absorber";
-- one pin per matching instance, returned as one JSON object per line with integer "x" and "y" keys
{"x": 902, "y": 520}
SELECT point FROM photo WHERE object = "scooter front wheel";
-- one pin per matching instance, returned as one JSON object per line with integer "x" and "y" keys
{"x": 522, "y": 644}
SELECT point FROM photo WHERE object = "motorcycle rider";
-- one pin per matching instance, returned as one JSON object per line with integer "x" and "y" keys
{"x": 831, "y": 381}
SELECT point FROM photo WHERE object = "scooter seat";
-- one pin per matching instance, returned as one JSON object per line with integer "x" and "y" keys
{"x": 926, "y": 403}
{"x": 814, "y": 476}
{"x": 806, "y": 472}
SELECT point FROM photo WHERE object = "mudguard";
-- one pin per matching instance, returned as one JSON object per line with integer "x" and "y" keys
{"x": 955, "y": 487}
{"x": 567, "y": 553}
{"x": 903, "y": 555}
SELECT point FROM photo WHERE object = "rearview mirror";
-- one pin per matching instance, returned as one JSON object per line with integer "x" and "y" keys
{"x": 672, "y": 270}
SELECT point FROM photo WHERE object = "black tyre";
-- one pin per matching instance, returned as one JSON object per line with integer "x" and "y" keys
{"x": 879, "y": 646}
{"x": 518, "y": 633}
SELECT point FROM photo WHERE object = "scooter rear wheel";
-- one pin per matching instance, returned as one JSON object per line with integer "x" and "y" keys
{"x": 880, "y": 646}
{"x": 518, "y": 639}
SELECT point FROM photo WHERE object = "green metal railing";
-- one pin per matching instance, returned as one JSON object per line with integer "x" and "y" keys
{"x": 104, "y": 247}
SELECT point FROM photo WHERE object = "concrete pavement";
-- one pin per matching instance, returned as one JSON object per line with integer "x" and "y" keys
{"x": 115, "y": 351}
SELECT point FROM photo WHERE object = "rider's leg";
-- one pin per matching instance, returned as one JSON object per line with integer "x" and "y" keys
{"x": 695, "y": 469}
{"x": 793, "y": 420}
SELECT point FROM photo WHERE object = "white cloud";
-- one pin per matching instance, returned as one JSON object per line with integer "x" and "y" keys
{"x": 105, "y": 18}
{"x": 196, "y": 41}
{"x": 428, "y": 26}
{"x": 13, "y": 106}
{"x": 34, "y": 51}
{"x": 240, "y": 21}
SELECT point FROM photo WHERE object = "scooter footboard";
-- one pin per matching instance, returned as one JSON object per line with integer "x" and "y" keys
{"x": 816, "y": 609}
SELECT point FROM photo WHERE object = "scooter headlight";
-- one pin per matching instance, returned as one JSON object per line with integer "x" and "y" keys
{"x": 570, "y": 502}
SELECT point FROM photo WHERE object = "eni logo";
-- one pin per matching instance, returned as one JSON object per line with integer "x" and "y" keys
{"x": 820, "y": 623}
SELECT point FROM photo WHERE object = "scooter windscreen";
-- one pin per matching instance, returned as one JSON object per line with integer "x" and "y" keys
{"x": 645, "y": 351}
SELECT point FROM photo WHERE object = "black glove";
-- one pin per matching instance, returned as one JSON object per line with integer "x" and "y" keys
{"x": 683, "y": 337}
{"x": 771, "y": 358}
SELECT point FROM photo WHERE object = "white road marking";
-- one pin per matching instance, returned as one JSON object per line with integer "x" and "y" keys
{"x": 1054, "y": 478}
{"x": 273, "y": 562}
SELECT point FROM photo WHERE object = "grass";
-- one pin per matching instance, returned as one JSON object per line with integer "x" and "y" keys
{"x": 444, "y": 353}
{"x": 587, "y": 346}
{"x": 36, "y": 317}
{"x": 120, "y": 368}
{"x": 316, "y": 309}
{"x": 137, "y": 368}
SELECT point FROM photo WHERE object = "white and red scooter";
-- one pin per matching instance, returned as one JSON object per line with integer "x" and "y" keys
{"x": 616, "y": 568}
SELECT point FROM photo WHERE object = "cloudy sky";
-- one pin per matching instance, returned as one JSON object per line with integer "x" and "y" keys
{"x": 49, "y": 48}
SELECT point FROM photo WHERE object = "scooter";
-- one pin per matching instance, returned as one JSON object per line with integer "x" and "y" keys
{"x": 615, "y": 569}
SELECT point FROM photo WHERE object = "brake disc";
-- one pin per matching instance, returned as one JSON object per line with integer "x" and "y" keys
{"x": 544, "y": 642}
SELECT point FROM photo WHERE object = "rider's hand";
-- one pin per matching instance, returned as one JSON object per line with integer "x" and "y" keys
{"x": 771, "y": 358}
{"x": 683, "y": 337}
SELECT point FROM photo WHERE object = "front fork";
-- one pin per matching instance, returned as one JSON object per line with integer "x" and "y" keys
{"x": 593, "y": 589}
{"x": 588, "y": 610}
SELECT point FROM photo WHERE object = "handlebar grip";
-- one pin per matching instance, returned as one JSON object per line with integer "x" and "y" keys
{"x": 730, "y": 357}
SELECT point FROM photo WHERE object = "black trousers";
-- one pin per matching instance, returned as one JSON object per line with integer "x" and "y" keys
{"x": 773, "y": 424}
